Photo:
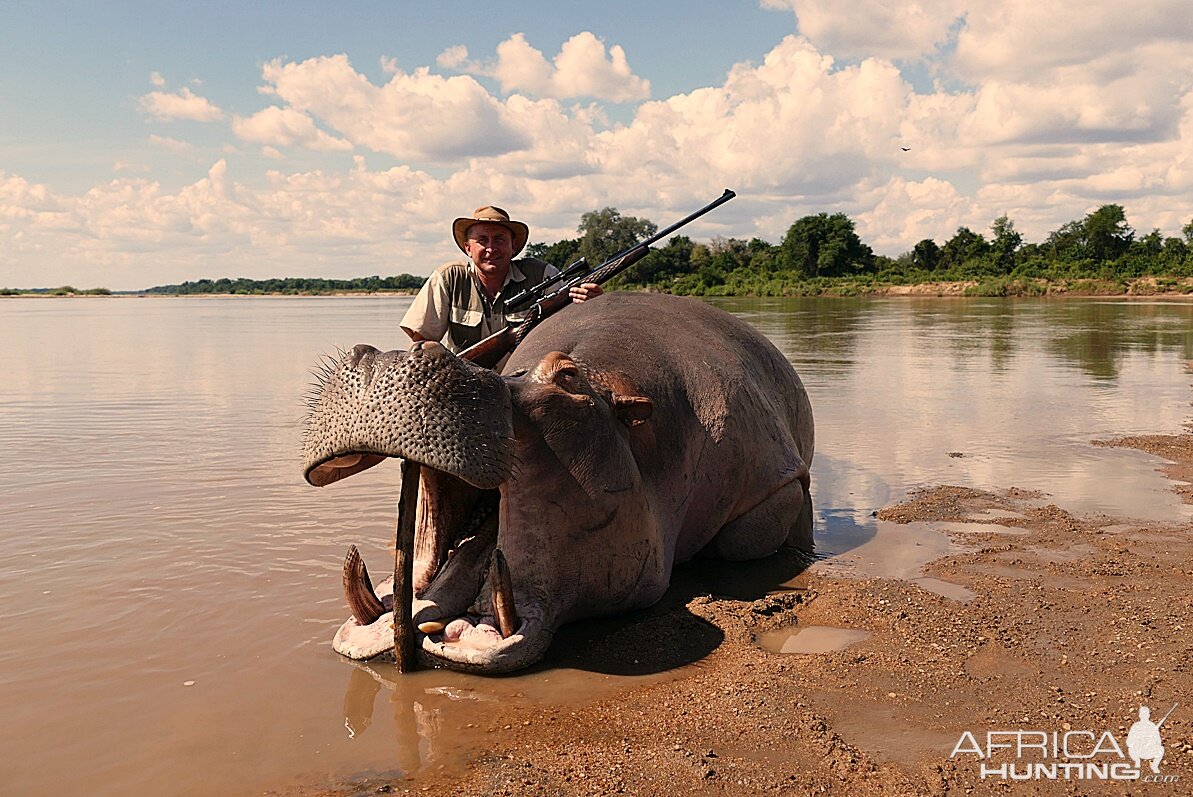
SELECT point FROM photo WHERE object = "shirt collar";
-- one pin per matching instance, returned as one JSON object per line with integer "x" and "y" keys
{"x": 515, "y": 275}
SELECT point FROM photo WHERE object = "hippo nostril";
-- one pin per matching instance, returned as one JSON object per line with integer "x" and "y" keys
{"x": 359, "y": 352}
{"x": 427, "y": 347}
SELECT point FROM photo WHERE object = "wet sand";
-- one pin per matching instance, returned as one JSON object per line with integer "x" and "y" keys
{"x": 1043, "y": 620}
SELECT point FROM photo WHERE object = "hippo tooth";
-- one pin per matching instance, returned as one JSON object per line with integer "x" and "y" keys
{"x": 358, "y": 589}
{"x": 503, "y": 595}
{"x": 431, "y": 627}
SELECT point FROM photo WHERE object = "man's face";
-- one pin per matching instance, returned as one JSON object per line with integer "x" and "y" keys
{"x": 491, "y": 247}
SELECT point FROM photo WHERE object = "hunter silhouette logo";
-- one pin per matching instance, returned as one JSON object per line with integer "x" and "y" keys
{"x": 1071, "y": 754}
{"x": 1143, "y": 740}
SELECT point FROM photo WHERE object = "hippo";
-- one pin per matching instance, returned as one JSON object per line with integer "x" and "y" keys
{"x": 623, "y": 436}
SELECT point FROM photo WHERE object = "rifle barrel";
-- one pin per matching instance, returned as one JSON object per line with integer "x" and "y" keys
{"x": 661, "y": 234}
{"x": 716, "y": 203}
{"x": 1166, "y": 716}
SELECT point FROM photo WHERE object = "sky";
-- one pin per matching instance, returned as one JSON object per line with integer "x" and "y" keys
{"x": 147, "y": 143}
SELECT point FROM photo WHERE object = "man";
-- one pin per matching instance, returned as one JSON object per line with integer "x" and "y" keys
{"x": 463, "y": 303}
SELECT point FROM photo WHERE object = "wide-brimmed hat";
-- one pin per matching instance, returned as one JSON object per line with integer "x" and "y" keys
{"x": 493, "y": 215}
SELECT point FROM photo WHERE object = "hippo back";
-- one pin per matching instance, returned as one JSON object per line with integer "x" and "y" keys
{"x": 729, "y": 409}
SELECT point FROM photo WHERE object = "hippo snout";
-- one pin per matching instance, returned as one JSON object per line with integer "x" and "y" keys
{"x": 425, "y": 405}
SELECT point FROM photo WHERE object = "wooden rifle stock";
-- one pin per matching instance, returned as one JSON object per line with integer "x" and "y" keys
{"x": 489, "y": 351}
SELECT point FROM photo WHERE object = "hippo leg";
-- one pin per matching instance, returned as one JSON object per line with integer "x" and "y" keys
{"x": 801, "y": 535}
{"x": 777, "y": 521}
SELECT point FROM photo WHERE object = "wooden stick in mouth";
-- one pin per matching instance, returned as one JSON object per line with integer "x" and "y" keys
{"x": 404, "y": 655}
{"x": 503, "y": 595}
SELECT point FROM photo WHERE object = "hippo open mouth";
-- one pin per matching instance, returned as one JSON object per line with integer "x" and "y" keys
{"x": 453, "y": 419}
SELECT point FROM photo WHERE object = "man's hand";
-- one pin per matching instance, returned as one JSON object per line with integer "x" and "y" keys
{"x": 588, "y": 290}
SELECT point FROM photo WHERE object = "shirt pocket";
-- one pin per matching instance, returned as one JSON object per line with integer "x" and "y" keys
{"x": 466, "y": 317}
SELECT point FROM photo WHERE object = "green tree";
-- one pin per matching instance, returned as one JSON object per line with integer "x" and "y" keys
{"x": 764, "y": 258}
{"x": 1007, "y": 241}
{"x": 606, "y": 232}
{"x": 1107, "y": 234}
{"x": 1150, "y": 245}
{"x": 1067, "y": 244}
{"x": 964, "y": 247}
{"x": 1174, "y": 252}
{"x": 926, "y": 255}
{"x": 560, "y": 254}
{"x": 824, "y": 246}
{"x": 664, "y": 264}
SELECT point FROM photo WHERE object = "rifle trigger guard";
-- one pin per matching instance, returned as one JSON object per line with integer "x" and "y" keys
{"x": 533, "y": 316}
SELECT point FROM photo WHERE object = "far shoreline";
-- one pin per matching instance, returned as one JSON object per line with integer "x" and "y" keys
{"x": 1138, "y": 288}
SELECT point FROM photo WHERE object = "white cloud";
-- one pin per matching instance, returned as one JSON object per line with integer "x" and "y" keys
{"x": 451, "y": 58}
{"x": 183, "y": 105}
{"x": 795, "y": 124}
{"x": 875, "y": 28}
{"x": 156, "y": 79}
{"x": 583, "y": 68}
{"x": 1023, "y": 40}
{"x": 902, "y": 212}
{"x": 285, "y": 127}
{"x": 418, "y": 117}
{"x": 129, "y": 166}
{"x": 172, "y": 144}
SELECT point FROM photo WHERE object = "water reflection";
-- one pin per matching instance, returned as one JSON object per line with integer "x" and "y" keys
{"x": 810, "y": 639}
{"x": 1100, "y": 336}
{"x": 415, "y": 726}
{"x": 1096, "y": 336}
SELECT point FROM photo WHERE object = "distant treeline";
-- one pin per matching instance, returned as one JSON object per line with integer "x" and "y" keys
{"x": 823, "y": 254}
{"x": 65, "y": 290}
{"x": 294, "y": 286}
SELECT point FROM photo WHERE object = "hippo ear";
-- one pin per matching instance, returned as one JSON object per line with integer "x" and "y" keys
{"x": 632, "y": 410}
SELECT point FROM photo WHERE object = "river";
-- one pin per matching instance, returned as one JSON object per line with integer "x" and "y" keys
{"x": 171, "y": 585}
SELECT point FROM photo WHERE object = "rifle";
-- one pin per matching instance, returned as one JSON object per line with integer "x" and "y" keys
{"x": 492, "y": 349}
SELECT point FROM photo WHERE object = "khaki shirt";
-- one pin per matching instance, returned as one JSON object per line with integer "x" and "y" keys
{"x": 452, "y": 307}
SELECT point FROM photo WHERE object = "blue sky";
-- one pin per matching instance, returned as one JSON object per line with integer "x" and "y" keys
{"x": 145, "y": 143}
{"x": 72, "y": 72}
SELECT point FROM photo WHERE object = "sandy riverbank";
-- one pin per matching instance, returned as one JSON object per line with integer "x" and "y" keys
{"x": 1071, "y": 623}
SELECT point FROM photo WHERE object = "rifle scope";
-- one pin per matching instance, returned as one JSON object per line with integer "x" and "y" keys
{"x": 530, "y": 294}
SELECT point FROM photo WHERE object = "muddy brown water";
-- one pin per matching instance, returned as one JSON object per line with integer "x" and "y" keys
{"x": 170, "y": 585}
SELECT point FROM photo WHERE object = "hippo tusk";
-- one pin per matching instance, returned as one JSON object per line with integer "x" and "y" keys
{"x": 503, "y": 595}
{"x": 404, "y": 656}
{"x": 358, "y": 589}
